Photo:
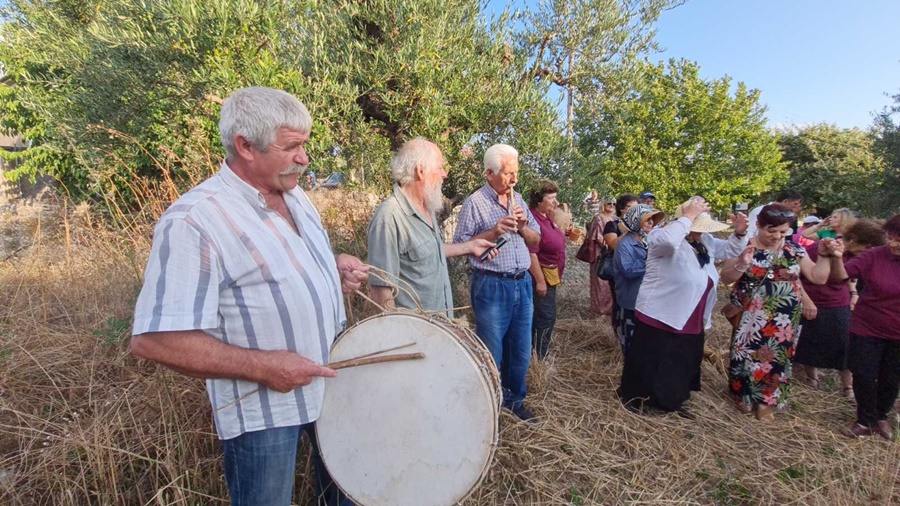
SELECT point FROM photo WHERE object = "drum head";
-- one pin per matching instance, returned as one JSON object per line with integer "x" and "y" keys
{"x": 418, "y": 432}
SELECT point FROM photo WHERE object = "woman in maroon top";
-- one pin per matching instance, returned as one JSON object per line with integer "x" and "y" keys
{"x": 548, "y": 260}
{"x": 826, "y": 311}
{"x": 874, "y": 352}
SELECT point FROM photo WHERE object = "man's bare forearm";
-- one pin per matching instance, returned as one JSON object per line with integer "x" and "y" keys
{"x": 197, "y": 354}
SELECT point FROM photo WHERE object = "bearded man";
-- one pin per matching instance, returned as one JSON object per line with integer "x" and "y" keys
{"x": 405, "y": 239}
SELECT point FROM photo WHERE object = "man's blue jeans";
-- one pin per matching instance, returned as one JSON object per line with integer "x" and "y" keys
{"x": 260, "y": 468}
{"x": 503, "y": 311}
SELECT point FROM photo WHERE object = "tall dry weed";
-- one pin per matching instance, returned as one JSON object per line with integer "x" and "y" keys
{"x": 83, "y": 423}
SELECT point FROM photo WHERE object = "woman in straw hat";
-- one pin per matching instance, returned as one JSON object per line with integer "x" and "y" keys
{"x": 768, "y": 295}
{"x": 674, "y": 305}
{"x": 629, "y": 265}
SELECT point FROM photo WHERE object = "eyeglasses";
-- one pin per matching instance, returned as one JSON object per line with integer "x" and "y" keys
{"x": 783, "y": 214}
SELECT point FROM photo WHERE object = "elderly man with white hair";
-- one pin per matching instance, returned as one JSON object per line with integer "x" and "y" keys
{"x": 242, "y": 289}
{"x": 405, "y": 239}
{"x": 501, "y": 286}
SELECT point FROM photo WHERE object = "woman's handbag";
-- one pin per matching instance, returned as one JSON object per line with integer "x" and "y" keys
{"x": 605, "y": 265}
{"x": 587, "y": 252}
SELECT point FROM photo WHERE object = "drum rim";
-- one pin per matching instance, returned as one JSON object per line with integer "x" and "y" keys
{"x": 487, "y": 375}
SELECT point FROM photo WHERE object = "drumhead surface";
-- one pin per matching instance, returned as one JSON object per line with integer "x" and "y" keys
{"x": 417, "y": 432}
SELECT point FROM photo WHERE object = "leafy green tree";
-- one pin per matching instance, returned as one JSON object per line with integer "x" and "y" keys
{"x": 670, "y": 131}
{"x": 576, "y": 44}
{"x": 128, "y": 90}
{"x": 388, "y": 71}
{"x": 886, "y": 143}
{"x": 834, "y": 167}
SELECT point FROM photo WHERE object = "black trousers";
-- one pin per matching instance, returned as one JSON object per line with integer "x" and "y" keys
{"x": 875, "y": 364}
{"x": 543, "y": 321}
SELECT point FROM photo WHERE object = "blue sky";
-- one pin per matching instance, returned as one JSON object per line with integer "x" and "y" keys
{"x": 814, "y": 61}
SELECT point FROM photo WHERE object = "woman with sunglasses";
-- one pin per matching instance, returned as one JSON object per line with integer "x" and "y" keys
{"x": 601, "y": 292}
{"x": 768, "y": 295}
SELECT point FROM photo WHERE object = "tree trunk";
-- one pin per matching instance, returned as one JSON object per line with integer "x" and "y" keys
{"x": 570, "y": 103}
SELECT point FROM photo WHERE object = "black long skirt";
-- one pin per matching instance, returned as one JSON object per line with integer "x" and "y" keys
{"x": 823, "y": 341}
{"x": 661, "y": 368}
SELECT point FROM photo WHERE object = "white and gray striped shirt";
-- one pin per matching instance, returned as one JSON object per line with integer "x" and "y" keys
{"x": 223, "y": 263}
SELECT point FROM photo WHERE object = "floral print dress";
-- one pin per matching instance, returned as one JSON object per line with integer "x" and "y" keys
{"x": 763, "y": 344}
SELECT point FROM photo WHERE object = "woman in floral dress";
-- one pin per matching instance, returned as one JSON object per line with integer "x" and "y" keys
{"x": 768, "y": 294}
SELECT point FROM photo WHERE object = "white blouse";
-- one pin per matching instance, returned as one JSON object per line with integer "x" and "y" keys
{"x": 674, "y": 281}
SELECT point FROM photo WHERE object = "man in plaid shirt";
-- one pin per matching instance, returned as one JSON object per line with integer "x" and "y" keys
{"x": 501, "y": 287}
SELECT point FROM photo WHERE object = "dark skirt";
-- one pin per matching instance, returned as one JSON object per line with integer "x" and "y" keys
{"x": 823, "y": 341}
{"x": 624, "y": 327}
{"x": 661, "y": 368}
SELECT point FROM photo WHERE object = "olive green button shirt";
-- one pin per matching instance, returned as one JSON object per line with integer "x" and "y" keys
{"x": 402, "y": 243}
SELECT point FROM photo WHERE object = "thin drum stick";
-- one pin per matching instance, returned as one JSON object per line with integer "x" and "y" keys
{"x": 354, "y": 362}
{"x": 346, "y": 364}
{"x": 367, "y": 355}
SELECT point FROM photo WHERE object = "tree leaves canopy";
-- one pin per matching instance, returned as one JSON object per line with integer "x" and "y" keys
{"x": 118, "y": 89}
{"x": 672, "y": 132}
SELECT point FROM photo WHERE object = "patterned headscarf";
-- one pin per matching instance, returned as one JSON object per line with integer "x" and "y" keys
{"x": 635, "y": 215}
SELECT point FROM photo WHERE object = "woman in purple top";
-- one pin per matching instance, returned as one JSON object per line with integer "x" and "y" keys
{"x": 548, "y": 260}
{"x": 827, "y": 310}
{"x": 874, "y": 352}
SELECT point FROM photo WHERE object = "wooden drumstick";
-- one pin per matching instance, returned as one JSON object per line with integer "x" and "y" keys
{"x": 381, "y": 352}
{"x": 353, "y": 362}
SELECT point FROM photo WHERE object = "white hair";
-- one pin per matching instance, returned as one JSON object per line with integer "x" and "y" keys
{"x": 496, "y": 156}
{"x": 418, "y": 152}
{"x": 256, "y": 113}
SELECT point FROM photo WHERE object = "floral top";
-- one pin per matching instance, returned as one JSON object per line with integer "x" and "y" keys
{"x": 763, "y": 343}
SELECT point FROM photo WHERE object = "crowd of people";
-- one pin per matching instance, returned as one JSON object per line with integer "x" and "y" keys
{"x": 811, "y": 307}
{"x": 242, "y": 289}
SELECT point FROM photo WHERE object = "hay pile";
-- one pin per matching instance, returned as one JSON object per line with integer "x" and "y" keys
{"x": 81, "y": 422}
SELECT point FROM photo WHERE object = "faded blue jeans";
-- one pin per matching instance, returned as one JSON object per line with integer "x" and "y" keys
{"x": 503, "y": 311}
{"x": 260, "y": 468}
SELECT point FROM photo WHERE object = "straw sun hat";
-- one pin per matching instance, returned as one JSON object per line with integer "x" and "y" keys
{"x": 704, "y": 223}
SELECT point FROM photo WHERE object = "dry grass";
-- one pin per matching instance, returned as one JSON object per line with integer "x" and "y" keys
{"x": 81, "y": 422}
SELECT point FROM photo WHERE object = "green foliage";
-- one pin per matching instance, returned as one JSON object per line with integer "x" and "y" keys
{"x": 578, "y": 44}
{"x": 115, "y": 331}
{"x": 108, "y": 91}
{"x": 833, "y": 168}
{"x": 670, "y": 131}
{"x": 886, "y": 144}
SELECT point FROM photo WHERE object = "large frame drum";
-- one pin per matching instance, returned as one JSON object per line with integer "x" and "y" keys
{"x": 416, "y": 432}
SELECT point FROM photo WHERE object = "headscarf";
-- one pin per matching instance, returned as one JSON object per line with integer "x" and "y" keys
{"x": 635, "y": 216}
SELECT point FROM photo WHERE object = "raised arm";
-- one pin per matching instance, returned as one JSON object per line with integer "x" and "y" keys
{"x": 818, "y": 273}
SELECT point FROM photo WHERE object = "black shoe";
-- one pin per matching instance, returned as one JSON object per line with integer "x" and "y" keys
{"x": 684, "y": 413}
{"x": 635, "y": 406}
{"x": 524, "y": 414}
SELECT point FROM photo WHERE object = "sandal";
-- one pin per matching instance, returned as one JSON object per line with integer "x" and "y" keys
{"x": 811, "y": 383}
{"x": 764, "y": 413}
{"x": 848, "y": 394}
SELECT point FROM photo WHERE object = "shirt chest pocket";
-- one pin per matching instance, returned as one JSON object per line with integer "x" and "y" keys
{"x": 422, "y": 251}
